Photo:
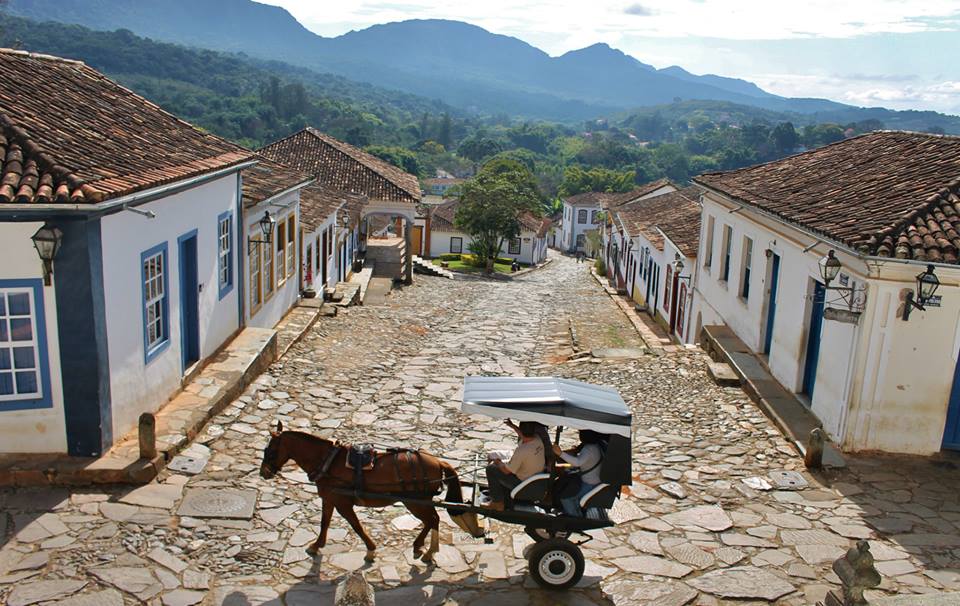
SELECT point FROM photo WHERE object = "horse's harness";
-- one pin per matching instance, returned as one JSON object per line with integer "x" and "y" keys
{"x": 363, "y": 457}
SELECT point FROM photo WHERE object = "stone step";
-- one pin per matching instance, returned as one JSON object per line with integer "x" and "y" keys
{"x": 425, "y": 266}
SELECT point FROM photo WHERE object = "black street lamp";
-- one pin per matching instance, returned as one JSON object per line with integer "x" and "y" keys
{"x": 267, "y": 224}
{"x": 829, "y": 268}
{"x": 47, "y": 242}
{"x": 678, "y": 269}
{"x": 927, "y": 285}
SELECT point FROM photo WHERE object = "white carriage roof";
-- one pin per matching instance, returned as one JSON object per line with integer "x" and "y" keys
{"x": 548, "y": 400}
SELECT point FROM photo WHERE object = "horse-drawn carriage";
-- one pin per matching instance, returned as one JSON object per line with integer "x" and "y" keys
{"x": 555, "y": 560}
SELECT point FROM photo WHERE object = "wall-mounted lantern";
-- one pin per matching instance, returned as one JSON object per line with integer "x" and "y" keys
{"x": 829, "y": 268}
{"x": 267, "y": 223}
{"x": 47, "y": 242}
{"x": 678, "y": 269}
{"x": 927, "y": 285}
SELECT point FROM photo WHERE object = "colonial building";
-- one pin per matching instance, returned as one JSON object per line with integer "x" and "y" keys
{"x": 613, "y": 239}
{"x": 814, "y": 261}
{"x": 661, "y": 235}
{"x": 581, "y": 215}
{"x": 326, "y": 213}
{"x": 122, "y": 240}
{"x": 272, "y": 268}
{"x": 389, "y": 191}
{"x": 529, "y": 248}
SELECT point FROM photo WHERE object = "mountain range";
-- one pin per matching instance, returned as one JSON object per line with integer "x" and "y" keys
{"x": 458, "y": 63}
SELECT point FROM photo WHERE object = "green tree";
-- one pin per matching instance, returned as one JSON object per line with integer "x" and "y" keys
{"x": 491, "y": 205}
{"x": 478, "y": 149}
{"x": 785, "y": 137}
{"x": 398, "y": 156}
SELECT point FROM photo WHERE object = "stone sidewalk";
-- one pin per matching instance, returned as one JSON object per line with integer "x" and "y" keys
{"x": 704, "y": 522}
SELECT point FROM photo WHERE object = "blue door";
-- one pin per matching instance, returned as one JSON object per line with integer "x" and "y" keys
{"x": 813, "y": 340}
{"x": 189, "y": 301}
{"x": 772, "y": 304}
{"x": 951, "y": 434}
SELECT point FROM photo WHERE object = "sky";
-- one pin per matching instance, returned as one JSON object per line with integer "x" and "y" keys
{"x": 900, "y": 54}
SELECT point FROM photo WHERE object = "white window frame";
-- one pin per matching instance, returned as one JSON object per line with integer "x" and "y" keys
{"x": 291, "y": 245}
{"x": 154, "y": 285}
{"x": 256, "y": 276}
{"x": 511, "y": 247}
{"x": 225, "y": 253}
{"x": 8, "y": 345}
{"x": 459, "y": 245}
{"x": 708, "y": 252}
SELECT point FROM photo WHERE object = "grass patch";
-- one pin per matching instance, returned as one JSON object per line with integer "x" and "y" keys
{"x": 469, "y": 267}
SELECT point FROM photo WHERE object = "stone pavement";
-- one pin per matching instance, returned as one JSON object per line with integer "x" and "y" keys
{"x": 704, "y": 522}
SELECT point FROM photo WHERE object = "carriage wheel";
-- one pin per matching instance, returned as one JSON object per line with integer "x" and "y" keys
{"x": 542, "y": 534}
{"x": 556, "y": 564}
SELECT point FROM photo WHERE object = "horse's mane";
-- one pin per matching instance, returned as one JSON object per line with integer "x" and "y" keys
{"x": 308, "y": 436}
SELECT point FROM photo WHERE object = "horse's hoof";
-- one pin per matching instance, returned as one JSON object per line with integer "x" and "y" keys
{"x": 312, "y": 551}
{"x": 370, "y": 557}
{"x": 417, "y": 552}
{"x": 427, "y": 557}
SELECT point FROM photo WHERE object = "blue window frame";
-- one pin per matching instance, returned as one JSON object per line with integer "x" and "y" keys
{"x": 225, "y": 253}
{"x": 154, "y": 280}
{"x": 24, "y": 363}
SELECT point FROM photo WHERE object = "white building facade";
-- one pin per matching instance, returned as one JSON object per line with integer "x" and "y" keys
{"x": 876, "y": 380}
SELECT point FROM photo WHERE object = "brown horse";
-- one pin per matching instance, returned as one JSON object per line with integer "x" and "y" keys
{"x": 420, "y": 476}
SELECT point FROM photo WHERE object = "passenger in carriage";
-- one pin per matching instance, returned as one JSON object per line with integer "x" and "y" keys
{"x": 528, "y": 459}
{"x": 586, "y": 458}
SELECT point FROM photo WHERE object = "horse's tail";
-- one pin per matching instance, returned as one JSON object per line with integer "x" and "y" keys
{"x": 466, "y": 520}
{"x": 454, "y": 490}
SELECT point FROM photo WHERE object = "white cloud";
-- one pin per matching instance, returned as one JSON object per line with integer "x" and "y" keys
{"x": 733, "y": 19}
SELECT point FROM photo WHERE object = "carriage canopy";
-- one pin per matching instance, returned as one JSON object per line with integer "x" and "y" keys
{"x": 548, "y": 400}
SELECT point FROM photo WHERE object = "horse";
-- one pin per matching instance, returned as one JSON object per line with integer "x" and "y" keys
{"x": 324, "y": 461}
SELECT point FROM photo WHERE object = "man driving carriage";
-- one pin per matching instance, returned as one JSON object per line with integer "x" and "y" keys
{"x": 528, "y": 459}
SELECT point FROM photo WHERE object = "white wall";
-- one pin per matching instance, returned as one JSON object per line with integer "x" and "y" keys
{"x": 902, "y": 377}
{"x": 136, "y": 386}
{"x": 530, "y": 244}
{"x": 276, "y": 305}
{"x": 40, "y": 429}
{"x": 315, "y": 240}
{"x": 572, "y": 228}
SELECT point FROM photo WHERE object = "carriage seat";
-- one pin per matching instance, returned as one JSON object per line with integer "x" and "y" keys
{"x": 533, "y": 489}
{"x": 601, "y": 497}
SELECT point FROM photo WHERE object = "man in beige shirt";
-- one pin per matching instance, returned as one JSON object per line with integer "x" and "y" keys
{"x": 528, "y": 459}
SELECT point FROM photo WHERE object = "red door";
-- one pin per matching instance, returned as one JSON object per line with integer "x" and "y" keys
{"x": 673, "y": 301}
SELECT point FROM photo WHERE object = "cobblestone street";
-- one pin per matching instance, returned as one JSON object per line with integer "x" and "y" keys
{"x": 690, "y": 530}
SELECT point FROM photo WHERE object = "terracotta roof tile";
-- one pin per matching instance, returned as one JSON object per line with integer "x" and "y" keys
{"x": 609, "y": 200}
{"x": 317, "y": 203}
{"x": 68, "y": 134}
{"x": 444, "y": 215}
{"x": 344, "y": 167}
{"x": 267, "y": 179}
{"x": 889, "y": 194}
{"x": 676, "y": 214}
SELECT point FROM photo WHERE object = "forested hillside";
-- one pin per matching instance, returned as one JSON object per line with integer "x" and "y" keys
{"x": 254, "y": 102}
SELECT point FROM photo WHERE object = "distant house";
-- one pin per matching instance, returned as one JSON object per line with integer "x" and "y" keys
{"x": 325, "y": 214}
{"x": 581, "y": 215}
{"x": 880, "y": 373}
{"x": 613, "y": 241}
{"x": 441, "y": 186}
{"x": 659, "y": 232}
{"x": 530, "y": 247}
{"x": 122, "y": 243}
{"x": 272, "y": 269}
{"x": 388, "y": 190}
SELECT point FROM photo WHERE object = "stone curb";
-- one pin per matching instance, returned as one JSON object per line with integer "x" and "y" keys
{"x": 119, "y": 466}
{"x": 638, "y": 325}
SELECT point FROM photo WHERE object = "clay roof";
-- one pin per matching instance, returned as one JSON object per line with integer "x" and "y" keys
{"x": 344, "y": 167}
{"x": 444, "y": 215}
{"x": 318, "y": 202}
{"x": 444, "y": 181}
{"x": 267, "y": 179}
{"x": 887, "y": 193}
{"x": 609, "y": 200}
{"x": 68, "y": 134}
{"x": 676, "y": 214}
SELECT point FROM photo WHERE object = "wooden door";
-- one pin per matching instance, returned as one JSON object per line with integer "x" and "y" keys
{"x": 416, "y": 240}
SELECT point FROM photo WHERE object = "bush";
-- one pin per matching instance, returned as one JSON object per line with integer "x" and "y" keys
{"x": 450, "y": 257}
{"x": 472, "y": 260}
{"x": 504, "y": 261}
{"x": 600, "y": 266}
